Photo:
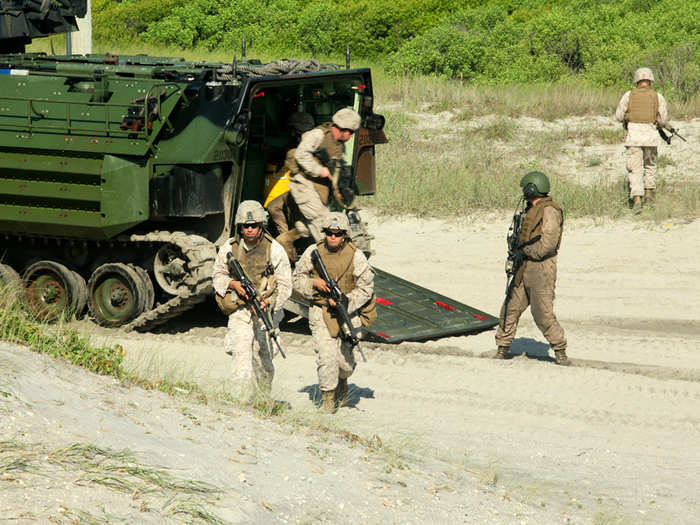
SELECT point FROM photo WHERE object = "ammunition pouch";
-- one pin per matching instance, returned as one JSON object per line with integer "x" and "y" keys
{"x": 368, "y": 312}
{"x": 229, "y": 303}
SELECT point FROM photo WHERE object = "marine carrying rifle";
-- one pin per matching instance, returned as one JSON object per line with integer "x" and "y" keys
{"x": 341, "y": 303}
{"x": 253, "y": 302}
{"x": 341, "y": 176}
{"x": 516, "y": 256}
{"x": 667, "y": 138}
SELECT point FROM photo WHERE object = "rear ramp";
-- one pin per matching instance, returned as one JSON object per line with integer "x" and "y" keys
{"x": 408, "y": 312}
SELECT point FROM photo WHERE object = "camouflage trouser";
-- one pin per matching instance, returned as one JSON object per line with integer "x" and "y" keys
{"x": 537, "y": 291}
{"x": 641, "y": 169}
{"x": 252, "y": 362}
{"x": 309, "y": 204}
{"x": 276, "y": 209}
{"x": 334, "y": 356}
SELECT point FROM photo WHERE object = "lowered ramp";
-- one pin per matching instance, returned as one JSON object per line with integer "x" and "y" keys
{"x": 408, "y": 312}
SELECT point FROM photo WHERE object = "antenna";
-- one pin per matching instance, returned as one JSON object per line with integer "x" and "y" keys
{"x": 243, "y": 47}
{"x": 234, "y": 66}
{"x": 347, "y": 57}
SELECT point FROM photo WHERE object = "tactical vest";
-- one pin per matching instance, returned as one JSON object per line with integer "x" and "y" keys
{"x": 532, "y": 222}
{"x": 643, "y": 105}
{"x": 340, "y": 266}
{"x": 335, "y": 150}
{"x": 256, "y": 265}
{"x": 291, "y": 163}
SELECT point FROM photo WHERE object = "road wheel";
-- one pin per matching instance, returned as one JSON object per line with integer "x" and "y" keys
{"x": 81, "y": 294}
{"x": 50, "y": 290}
{"x": 149, "y": 296}
{"x": 116, "y": 294}
{"x": 170, "y": 269}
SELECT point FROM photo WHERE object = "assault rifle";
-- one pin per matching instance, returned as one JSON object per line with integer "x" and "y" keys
{"x": 342, "y": 176}
{"x": 254, "y": 301}
{"x": 516, "y": 256}
{"x": 341, "y": 303}
{"x": 667, "y": 138}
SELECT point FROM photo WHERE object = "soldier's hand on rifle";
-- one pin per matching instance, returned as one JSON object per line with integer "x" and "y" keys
{"x": 320, "y": 285}
{"x": 238, "y": 288}
{"x": 325, "y": 173}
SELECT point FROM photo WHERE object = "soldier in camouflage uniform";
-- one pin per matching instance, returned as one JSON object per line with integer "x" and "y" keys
{"x": 265, "y": 263}
{"x": 335, "y": 360}
{"x": 311, "y": 183}
{"x": 298, "y": 124}
{"x": 535, "y": 280}
{"x": 641, "y": 110}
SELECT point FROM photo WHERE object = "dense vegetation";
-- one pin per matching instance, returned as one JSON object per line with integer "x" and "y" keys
{"x": 482, "y": 41}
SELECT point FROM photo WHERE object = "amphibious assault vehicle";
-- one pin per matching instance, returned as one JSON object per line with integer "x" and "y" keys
{"x": 120, "y": 177}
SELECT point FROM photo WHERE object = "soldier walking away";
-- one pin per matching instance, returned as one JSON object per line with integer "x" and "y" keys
{"x": 311, "y": 182}
{"x": 350, "y": 271}
{"x": 266, "y": 265}
{"x": 536, "y": 239}
{"x": 641, "y": 111}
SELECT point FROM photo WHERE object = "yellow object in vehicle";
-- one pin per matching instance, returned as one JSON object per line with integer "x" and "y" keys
{"x": 276, "y": 183}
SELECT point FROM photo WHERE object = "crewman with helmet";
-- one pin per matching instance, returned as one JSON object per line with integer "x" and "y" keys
{"x": 311, "y": 182}
{"x": 535, "y": 280}
{"x": 266, "y": 264}
{"x": 348, "y": 266}
{"x": 641, "y": 111}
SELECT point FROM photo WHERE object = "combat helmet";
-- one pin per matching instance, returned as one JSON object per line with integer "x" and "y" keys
{"x": 347, "y": 118}
{"x": 534, "y": 184}
{"x": 336, "y": 221}
{"x": 643, "y": 73}
{"x": 251, "y": 212}
{"x": 301, "y": 122}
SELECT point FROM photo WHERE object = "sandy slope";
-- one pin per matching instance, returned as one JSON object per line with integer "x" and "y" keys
{"x": 613, "y": 439}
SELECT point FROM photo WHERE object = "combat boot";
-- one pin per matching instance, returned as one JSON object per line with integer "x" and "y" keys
{"x": 502, "y": 352}
{"x": 648, "y": 196}
{"x": 637, "y": 204}
{"x": 327, "y": 402}
{"x": 341, "y": 391}
{"x": 560, "y": 358}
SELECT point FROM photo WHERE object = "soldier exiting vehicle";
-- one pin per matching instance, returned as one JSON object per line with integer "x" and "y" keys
{"x": 266, "y": 265}
{"x": 312, "y": 182}
{"x": 348, "y": 268}
{"x": 535, "y": 244}
{"x": 642, "y": 110}
{"x": 278, "y": 200}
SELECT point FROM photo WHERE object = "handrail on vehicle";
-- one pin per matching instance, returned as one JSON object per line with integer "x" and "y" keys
{"x": 32, "y": 112}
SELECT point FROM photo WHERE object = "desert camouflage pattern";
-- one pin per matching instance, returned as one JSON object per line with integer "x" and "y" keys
{"x": 334, "y": 357}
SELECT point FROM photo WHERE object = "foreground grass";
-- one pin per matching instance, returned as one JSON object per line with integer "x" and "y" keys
{"x": 86, "y": 465}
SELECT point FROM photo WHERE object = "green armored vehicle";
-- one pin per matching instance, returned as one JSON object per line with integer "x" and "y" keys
{"x": 120, "y": 177}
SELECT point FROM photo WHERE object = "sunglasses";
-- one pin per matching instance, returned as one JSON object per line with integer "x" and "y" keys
{"x": 254, "y": 225}
{"x": 335, "y": 234}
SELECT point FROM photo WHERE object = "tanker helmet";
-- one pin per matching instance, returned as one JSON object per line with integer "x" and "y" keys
{"x": 347, "y": 118}
{"x": 301, "y": 122}
{"x": 251, "y": 212}
{"x": 534, "y": 184}
{"x": 336, "y": 221}
{"x": 643, "y": 73}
